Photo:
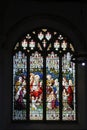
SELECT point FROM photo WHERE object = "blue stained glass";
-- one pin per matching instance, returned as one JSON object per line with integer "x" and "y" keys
{"x": 52, "y": 87}
{"x": 19, "y": 86}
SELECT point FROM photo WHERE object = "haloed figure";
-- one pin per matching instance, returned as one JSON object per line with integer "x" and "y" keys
{"x": 70, "y": 95}
{"x": 68, "y": 92}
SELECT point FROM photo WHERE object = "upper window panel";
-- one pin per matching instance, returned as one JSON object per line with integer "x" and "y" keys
{"x": 44, "y": 39}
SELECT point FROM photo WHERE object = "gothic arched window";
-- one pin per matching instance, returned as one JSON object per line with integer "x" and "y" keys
{"x": 44, "y": 85}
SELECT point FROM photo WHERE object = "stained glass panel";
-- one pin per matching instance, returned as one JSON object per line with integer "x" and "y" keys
{"x": 19, "y": 86}
{"x": 44, "y": 43}
{"x": 68, "y": 83}
{"x": 24, "y": 44}
{"x": 56, "y": 45}
{"x": 32, "y": 44}
{"x": 40, "y": 35}
{"x": 39, "y": 47}
{"x": 71, "y": 46}
{"x": 52, "y": 87}
{"x": 36, "y": 86}
{"x": 28, "y": 36}
{"x": 49, "y": 47}
{"x": 64, "y": 45}
{"x": 48, "y": 36}
{"x": 16, "y": 46}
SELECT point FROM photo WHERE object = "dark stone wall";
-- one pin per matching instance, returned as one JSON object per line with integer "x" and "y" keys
{"x": 17, "y": 17}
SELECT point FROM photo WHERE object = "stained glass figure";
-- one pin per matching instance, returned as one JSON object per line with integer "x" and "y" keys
{"x": 68, "y": 84}
{"x": 19, "y": 86}
{"x": 52, "y": 87}
{"x": 36, "y": 86}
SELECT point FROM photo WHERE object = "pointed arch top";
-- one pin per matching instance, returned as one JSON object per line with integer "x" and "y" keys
{"x": 44, "y": 85}
{"x": 45, "y": 39}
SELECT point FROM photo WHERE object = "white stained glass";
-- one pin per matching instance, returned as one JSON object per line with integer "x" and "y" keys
{"x": 56, "y": 45}
{"x": 31, "y": 44}
{"x": 24, "y": 44}
{"x": 64, "y": 45}
{"x": 40, "y": 35}
{"x": 48, "y": 36}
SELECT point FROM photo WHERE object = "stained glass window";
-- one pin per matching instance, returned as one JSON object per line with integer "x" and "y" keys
{"x": 44, "y": 77}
